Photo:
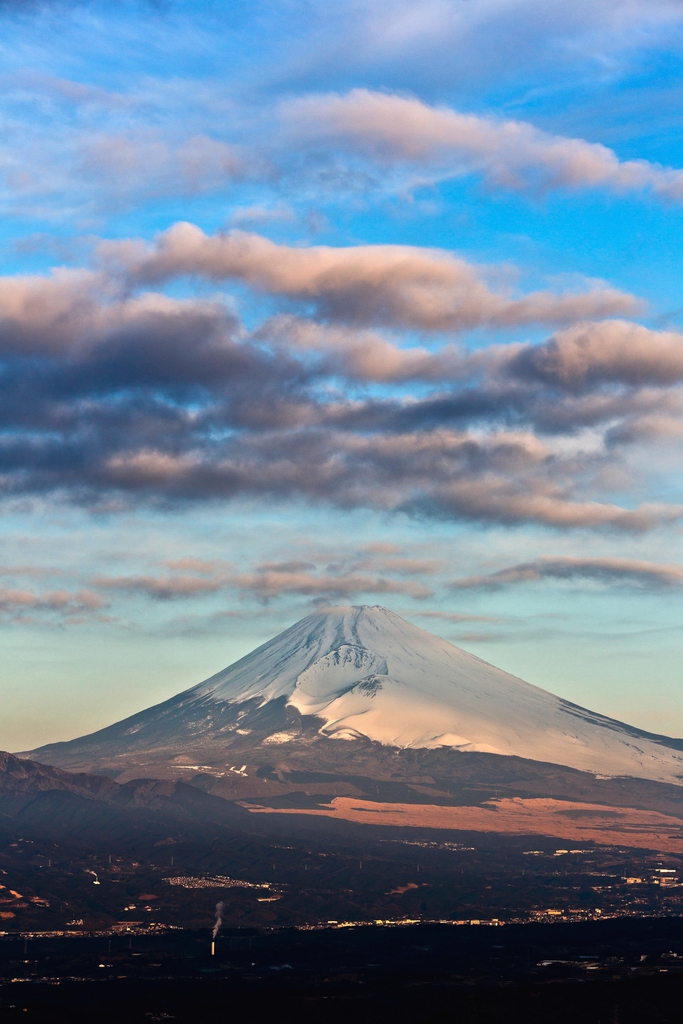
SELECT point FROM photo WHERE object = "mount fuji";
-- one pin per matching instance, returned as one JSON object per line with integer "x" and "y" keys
{"x": 365, "y": 674}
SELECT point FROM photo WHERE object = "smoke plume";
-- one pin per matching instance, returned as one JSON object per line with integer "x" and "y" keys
{"x": 220, "y": 907}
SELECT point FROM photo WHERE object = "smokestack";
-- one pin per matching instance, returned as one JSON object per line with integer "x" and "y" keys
{"x": 213, "y": 948}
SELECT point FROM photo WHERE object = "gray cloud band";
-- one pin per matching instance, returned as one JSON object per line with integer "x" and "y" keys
{"x": 153, "y": 398}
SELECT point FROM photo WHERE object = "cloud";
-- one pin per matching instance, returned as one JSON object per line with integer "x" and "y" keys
{"x": 616, "y": 373}
{"x": 116, "y": 394}
{"x": 144, "y": 165}
{"x": 66, "y": 90}
{"x": 454, "y": 617}
{"x": 265, "y": 582}
{"x": 34, "y": 571}
{"x": 89, "y": 171}
{"x": 76, "y": 312}
{"x": 381, "y": 558}
{"x": 391, "y": 285}
{"x": 18, "y": 603}
{"x": 336, "y": 393}
{"x": 582, "y": 357}
{"x": 249, "y": 216}
{"x": 381, "y": 548}
{"x": 646, "y": 428}
{"x": 200, "y": 565}
{"x": 511, "y": 154}
{"x": 448, "y": 48}
{"x": 603, "y": 570}
{"x": 613, "y": 351}
{"x": 364, "y": 355}
{"x": 401, "y": 566}
{"x": 42, "y": 314}
{"x": 321, "y": 576}
{"x": 73, "y": 148}
{"x": 136, "y": 426}
{"x": 505, "y": 478}
{"x": 162, "y": 588}
{"x": 274, "y": 580}
{"x": 503, "y": 502}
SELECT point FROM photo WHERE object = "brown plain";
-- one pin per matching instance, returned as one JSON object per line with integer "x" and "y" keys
{"x": 565, "y": 819}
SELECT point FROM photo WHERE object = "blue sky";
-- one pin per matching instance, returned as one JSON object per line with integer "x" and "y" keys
{"x": 368, "y": 302}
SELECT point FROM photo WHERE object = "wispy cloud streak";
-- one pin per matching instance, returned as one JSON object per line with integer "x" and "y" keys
{"x": 609, "y": 571}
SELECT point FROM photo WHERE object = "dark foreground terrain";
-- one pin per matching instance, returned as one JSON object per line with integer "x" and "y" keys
{"x": 107, "y": 891}
{"x": 611, "y": 972}
{"x": 84, "y": 853}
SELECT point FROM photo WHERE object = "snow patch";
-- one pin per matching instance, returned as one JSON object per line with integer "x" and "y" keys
{"x": 281, "y": 737}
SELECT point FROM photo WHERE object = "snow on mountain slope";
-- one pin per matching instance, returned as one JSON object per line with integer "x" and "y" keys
{"x": 366, "y": 671}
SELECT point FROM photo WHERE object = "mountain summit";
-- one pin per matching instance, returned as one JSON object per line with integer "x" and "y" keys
{"x": 364, "y": 672}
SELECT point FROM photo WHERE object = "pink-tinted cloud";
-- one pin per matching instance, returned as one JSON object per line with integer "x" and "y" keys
{"x": 265, "y": 582}
{"x": 269, "y": 582}
{"x": 365, "y": 355}
{"x": 17, "y": 603}
{"x": 511, "y": 154}
{"x": 395, "y": 285}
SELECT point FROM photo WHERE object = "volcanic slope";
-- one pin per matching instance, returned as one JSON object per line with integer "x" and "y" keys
{"x": 349, "y": 673}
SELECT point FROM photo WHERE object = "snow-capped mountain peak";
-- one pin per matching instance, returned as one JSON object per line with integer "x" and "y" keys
{"x": 364, "y": 672}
